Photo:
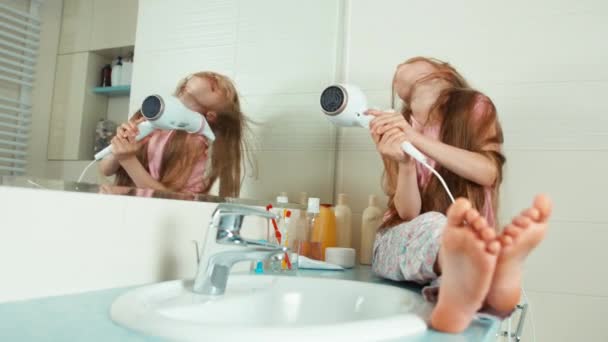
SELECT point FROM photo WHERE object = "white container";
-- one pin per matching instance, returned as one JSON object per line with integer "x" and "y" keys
{"x": 117, "y": 72}
{"x": 126, "y": 72}
{"x": 344, "y": 257}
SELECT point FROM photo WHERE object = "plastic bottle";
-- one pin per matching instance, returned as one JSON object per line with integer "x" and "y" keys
{"x": 371, "y": 220}
{"x": 306, "y": 246}
{"x": 117, "y": 72}
{"x": 324, "y": 229}
{"x": 127, "y": 71}
{"x": 106, "y": 76}
{"x": 297, "y": 224}
{"x": 344, "y": 226}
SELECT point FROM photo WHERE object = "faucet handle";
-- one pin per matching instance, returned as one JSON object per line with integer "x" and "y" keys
{"x": 228, "y": 219}
{"x": 229, "y": 209}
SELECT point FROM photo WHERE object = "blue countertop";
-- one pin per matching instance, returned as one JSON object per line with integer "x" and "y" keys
{"x": 86, "y": 316}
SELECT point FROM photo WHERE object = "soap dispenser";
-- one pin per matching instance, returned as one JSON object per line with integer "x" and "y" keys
{"x": 371, "y": 220}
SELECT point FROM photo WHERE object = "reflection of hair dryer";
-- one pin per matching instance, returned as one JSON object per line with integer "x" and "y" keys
{"x": 168, "y": 113}
{"x": 345, "y": 105}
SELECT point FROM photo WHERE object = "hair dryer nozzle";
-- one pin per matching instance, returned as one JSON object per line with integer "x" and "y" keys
{"x": 168, "y": 112}
{"x": 345, "y": 105}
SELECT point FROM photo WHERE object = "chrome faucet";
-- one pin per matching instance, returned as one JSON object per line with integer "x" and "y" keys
{"x": 212, "y": 276}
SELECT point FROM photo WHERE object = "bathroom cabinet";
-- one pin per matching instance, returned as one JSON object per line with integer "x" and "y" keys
{"x": 75, "y": 110}
{"x": 93, "y": 32}
{"x": 97, "y": 24}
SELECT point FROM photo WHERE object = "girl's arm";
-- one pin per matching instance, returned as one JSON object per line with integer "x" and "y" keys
{"x": 124, "y": 150}
{"x": 407, "y": 195}
{"x": 139, "y": 175}
{"x": 109, "y": 165}
{"x": 473, "y": 166}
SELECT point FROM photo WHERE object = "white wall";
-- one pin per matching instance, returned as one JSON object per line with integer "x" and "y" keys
{"x": 279, "y": 53}
{"x": 543, "y": 64}
{"x": 80, "y": 242}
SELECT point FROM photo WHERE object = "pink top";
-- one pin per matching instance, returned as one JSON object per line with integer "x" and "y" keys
{"x": 156, "y": 147}
{"x": 424, "y": 175}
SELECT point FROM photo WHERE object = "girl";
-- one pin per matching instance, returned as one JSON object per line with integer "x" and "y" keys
{"x": 456, "y": 127}
{"x": 183, "y": 162}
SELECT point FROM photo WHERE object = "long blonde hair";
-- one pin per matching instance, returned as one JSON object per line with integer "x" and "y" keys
{"x": 459, "y": 128}
{"x": 227, "y": 153}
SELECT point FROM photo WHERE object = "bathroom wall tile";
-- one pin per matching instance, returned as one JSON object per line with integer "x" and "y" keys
{"x": 185, "y": 24}
{"x": 574, "y": 179}
{"x": 359, "y": 175}
{"x": 559, "y": 41}
{"x": 288, "y": 122}
{"x": 567, "y": 261}
{"x": 292, "y": 171}
{"x": 157, "y": 71}
{"x": 298, "y": 57}
{"x": 565, "y": 318}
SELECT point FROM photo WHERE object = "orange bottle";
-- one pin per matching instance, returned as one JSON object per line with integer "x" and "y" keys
{"x": 324, "y": 230}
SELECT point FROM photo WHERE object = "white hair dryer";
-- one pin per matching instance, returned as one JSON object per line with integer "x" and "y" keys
{"x": 168, "y": 113}
{"x": 345, "y": 105}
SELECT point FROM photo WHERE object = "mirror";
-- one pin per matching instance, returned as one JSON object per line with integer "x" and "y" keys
{"x": 98, "y": 60}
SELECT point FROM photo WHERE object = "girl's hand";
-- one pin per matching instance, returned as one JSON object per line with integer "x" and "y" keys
{"x": 129, "y": 130}
{"x": 125, "y": 148}
{"x": 389, "y": 145}
{"x": 386, "y": 121}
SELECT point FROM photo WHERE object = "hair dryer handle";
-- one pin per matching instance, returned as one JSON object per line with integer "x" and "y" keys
{"x": 145, "y": 128}
{"x": 413, "y": 152}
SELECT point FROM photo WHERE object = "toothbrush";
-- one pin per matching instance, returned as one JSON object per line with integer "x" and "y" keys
{"x": 277, "y": 234}
{"x": 287, "y": 216}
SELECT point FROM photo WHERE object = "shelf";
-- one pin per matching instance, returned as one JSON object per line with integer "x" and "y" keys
{"x": 122, "y": 90}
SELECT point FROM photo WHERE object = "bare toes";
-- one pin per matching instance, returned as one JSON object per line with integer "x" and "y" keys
{"x": 480, "y": 245}
{"x": 506, "y": 240}
{"x": 544, "y": 205}
{"x": 532, "y": 213}
{"x": 480, "y": 223}
{"x": 493, "y": 247}
{"x": 457, "y": 211}
{"x": 522, "y": 221}
{"x": 471, "y": 215}
{"x": 512, "y": 231}
{"x": 487, "y": 234}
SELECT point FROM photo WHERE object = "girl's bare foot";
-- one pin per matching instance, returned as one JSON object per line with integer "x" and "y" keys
{"x": 467, "y": 259}
{"x": 518, "y": 239}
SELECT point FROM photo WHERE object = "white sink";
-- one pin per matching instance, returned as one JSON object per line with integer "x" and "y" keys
{"x": 256, "y": 308}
